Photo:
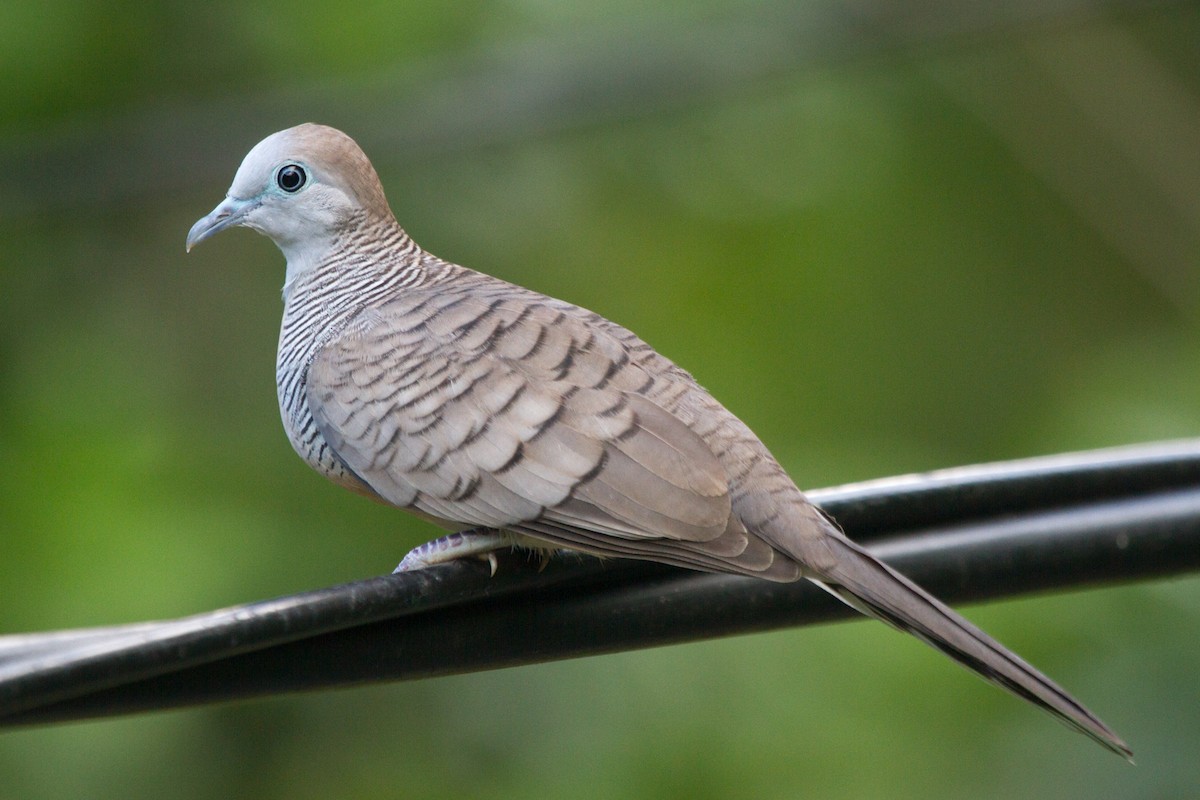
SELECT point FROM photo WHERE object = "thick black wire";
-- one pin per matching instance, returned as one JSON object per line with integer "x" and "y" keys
{"x": 966, "y": 534}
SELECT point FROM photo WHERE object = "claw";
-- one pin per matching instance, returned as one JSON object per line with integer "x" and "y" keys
{"x": 480, "y": 543}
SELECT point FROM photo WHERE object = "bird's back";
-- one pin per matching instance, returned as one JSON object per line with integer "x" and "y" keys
{"x": 448, "y": 341}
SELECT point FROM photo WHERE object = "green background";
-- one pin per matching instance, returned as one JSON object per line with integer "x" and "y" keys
{"x": 890, "y": 239}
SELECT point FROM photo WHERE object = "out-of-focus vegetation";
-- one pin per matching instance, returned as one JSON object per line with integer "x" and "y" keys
{"x": 889, "y": 242}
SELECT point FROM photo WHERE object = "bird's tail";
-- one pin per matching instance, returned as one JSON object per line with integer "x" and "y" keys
{"x": 872, "y": 587}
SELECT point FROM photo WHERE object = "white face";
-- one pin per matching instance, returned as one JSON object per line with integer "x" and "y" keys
{"x": 282, "y": 193}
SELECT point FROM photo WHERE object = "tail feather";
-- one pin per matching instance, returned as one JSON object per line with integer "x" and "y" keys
{"x": 867, "y": 584}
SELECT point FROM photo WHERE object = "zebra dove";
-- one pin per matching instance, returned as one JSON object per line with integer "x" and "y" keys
{"x": 513, "y": 419}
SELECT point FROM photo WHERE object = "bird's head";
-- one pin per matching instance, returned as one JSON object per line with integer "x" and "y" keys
{"x": 300, "y": 187}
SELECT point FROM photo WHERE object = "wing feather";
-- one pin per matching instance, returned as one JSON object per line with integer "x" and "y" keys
{"x": 494, "y": 413}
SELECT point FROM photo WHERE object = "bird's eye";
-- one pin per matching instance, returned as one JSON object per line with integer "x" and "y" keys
{"x": 291, "y": 178}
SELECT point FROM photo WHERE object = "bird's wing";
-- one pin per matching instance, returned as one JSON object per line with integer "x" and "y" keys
{"x": 511, "y": 413}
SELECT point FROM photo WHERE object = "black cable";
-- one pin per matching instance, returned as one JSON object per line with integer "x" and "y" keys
{"x": 966, "y": 534}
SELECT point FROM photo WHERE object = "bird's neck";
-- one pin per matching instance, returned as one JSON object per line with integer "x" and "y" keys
{"x": 368, "y": 250}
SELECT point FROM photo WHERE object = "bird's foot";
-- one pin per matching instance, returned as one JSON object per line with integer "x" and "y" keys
{"x": 478, "y": 543}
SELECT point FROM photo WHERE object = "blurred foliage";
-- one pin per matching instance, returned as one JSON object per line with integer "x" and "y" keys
{"x": 871, "y": 259}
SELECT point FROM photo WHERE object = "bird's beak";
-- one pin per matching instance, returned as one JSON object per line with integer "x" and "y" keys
{"x": 229, "y": 212}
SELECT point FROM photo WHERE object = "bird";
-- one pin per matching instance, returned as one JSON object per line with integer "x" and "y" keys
{"x": 512, "y": 419}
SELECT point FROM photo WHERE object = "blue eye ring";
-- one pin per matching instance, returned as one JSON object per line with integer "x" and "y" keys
{"x": 291, "y": 178}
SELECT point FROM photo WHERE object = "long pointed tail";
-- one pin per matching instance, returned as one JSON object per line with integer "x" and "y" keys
{"x": 875, "y": 589}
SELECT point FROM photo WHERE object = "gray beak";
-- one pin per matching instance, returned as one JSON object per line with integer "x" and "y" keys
{"x": 230, "y": 212}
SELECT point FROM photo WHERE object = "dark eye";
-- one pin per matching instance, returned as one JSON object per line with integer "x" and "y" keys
{"x": 291, "y": 178}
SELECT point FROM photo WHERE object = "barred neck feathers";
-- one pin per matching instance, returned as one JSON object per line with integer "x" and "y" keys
{"x": 365, "y": 252}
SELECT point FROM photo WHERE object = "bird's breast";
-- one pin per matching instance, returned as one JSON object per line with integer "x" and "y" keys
{"x": 307, "y": 324}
